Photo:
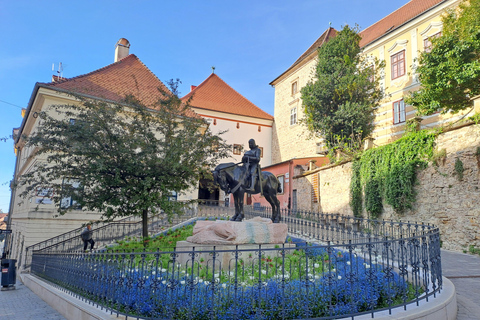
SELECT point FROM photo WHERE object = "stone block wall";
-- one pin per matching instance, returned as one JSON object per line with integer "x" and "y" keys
{"x": 443, "y": 199}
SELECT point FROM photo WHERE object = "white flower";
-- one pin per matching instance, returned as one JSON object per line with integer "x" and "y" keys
{"x": 164, "y": 270}
{"x": 367, "y": 266}
{"x": 251, "y": 277}
{"x": 200, "y": 280}
{"x": 207, "y": 283}
{"x": 216, "y": 275}
{"x": 232, "y": 273}
{"x": 317, "y": 276}
{"x": 164, "y": 282}
{"x": 182, "y": 282}
{"x": 264, "y": 272}
{"x": 334, "y": 270}
{"x": 316, "y": 265}
{"x": 286, "y": 276}
{"x": 224, "y": 285}
{"x": 183, "y": 271}
{"x": 348, "y": 262}
{"x": 339, "y": 277}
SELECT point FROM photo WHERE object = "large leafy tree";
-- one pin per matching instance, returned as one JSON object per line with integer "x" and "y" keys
{"x": 450, "y": 72}
{"x": 340, "y": 100}
{"x": 121, "y": 159}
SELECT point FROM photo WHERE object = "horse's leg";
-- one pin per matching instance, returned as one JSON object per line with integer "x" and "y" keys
{"x": 237, "y": 208}
{"x": 272, "y": 199}
{"x": 240, "y": 196}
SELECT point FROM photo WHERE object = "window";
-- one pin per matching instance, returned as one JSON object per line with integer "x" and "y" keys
{"x": 43, "y": 195}
{"x": 237, "y": 149}
{"x": 427, "y": 43}
{"x": 398, "y": 64}
{"x": 371, "y": 73}
{"x": 293, "y": 116}
{"x": 294, "y": 87}
{"x": 398, "y": 112}
{"x": 315, "y": 188}
{"x": 172, "y": 196}
{"x": 70, "y": 194}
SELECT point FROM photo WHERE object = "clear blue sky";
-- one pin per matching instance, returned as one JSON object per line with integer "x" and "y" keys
{"x": 250, "y": 43}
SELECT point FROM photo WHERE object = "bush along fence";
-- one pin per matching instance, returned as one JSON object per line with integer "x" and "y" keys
{"x": 331, "y": 266}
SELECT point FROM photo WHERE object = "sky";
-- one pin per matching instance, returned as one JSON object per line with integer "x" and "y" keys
{"x": 249, "y": 42}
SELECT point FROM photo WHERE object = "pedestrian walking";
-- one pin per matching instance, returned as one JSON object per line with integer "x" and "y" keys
{"x": 87, "y": 237}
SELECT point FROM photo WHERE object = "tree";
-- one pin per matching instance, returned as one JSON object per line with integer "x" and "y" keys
{"x": 121, "y": 159}
{"x": 339, "y": 103}
{"x": 450, "y": 73}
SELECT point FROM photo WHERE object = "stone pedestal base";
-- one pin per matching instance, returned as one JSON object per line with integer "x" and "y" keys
{"x": 227, "y": 256}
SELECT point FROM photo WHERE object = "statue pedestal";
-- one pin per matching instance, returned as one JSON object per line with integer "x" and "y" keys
{"x": 227, "y": 256}
{"x": 224, "y": 244}
{"x": 253, "y": 231}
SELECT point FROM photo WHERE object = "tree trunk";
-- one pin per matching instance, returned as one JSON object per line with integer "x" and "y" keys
{"x": 145, "y": 223}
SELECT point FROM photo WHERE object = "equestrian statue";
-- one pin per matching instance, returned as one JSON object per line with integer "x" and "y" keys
{"x": 248, "y": 178}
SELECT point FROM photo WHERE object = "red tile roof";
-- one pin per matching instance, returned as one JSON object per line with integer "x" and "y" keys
{"x": 396, "y": 19}
{"x": 327, "y": 35}
{"x": 215, "y": 94}
{"x": 393, "y": 21}
{"x": 115, "y": 81}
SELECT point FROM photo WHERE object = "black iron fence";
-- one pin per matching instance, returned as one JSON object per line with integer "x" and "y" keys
{"x": 333, "y": 266}
{"x": 105, "y": 234}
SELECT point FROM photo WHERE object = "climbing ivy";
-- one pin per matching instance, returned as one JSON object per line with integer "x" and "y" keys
{"x": 388, "y": 173}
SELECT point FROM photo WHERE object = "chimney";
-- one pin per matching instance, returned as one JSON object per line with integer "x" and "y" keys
{"x": 121, "y": 49}
{"x": 192, "y": 87}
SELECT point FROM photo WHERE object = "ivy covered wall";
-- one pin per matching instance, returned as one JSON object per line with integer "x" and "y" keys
{"x": 447, "y": 188}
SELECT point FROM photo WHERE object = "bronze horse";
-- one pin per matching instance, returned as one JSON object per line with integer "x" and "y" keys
{"x": 229, "y": 177}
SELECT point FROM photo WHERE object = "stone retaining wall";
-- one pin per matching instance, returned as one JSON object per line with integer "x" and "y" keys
{"x": 443, "y": 199}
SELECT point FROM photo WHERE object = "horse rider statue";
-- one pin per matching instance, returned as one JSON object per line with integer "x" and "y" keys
{"x": 251, "y": 160}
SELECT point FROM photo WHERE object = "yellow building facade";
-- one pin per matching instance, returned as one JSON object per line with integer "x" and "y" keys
{"x": 398, "y": 39}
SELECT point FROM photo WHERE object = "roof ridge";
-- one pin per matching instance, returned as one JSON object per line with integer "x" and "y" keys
{"x": 253, "y": 104}
{"x": 130, "y": 56}
{"x": 200, "y": 85}
{"x": 95, "y": 71}
{"x": 214, "y": 77}
{"x": 385, "y": 16}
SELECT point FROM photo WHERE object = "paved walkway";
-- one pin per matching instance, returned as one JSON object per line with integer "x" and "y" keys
{"x": 462, "y": 269}
{"x": 23, "y": 304}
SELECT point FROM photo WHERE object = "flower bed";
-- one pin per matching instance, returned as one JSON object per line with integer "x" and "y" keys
{"x": 304, "y": 282}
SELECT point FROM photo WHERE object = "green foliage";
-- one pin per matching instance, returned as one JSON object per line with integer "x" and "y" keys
{"x": 475, "y": 118}
{"x": 449, "y": 73}
{"x": 473, "y": 250}
{"x": 356, "y": 199}
{"x": 339, "y": 103}
{"x": 388, "y": 173}
{"x": 459, "y": 169}
{"x": 439, "y": 156}
{"x": 121, "y": 159}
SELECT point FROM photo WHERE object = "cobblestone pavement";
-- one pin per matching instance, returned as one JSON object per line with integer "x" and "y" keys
{"x": 462, "y": 269}
{"x": 23, "y": 304}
